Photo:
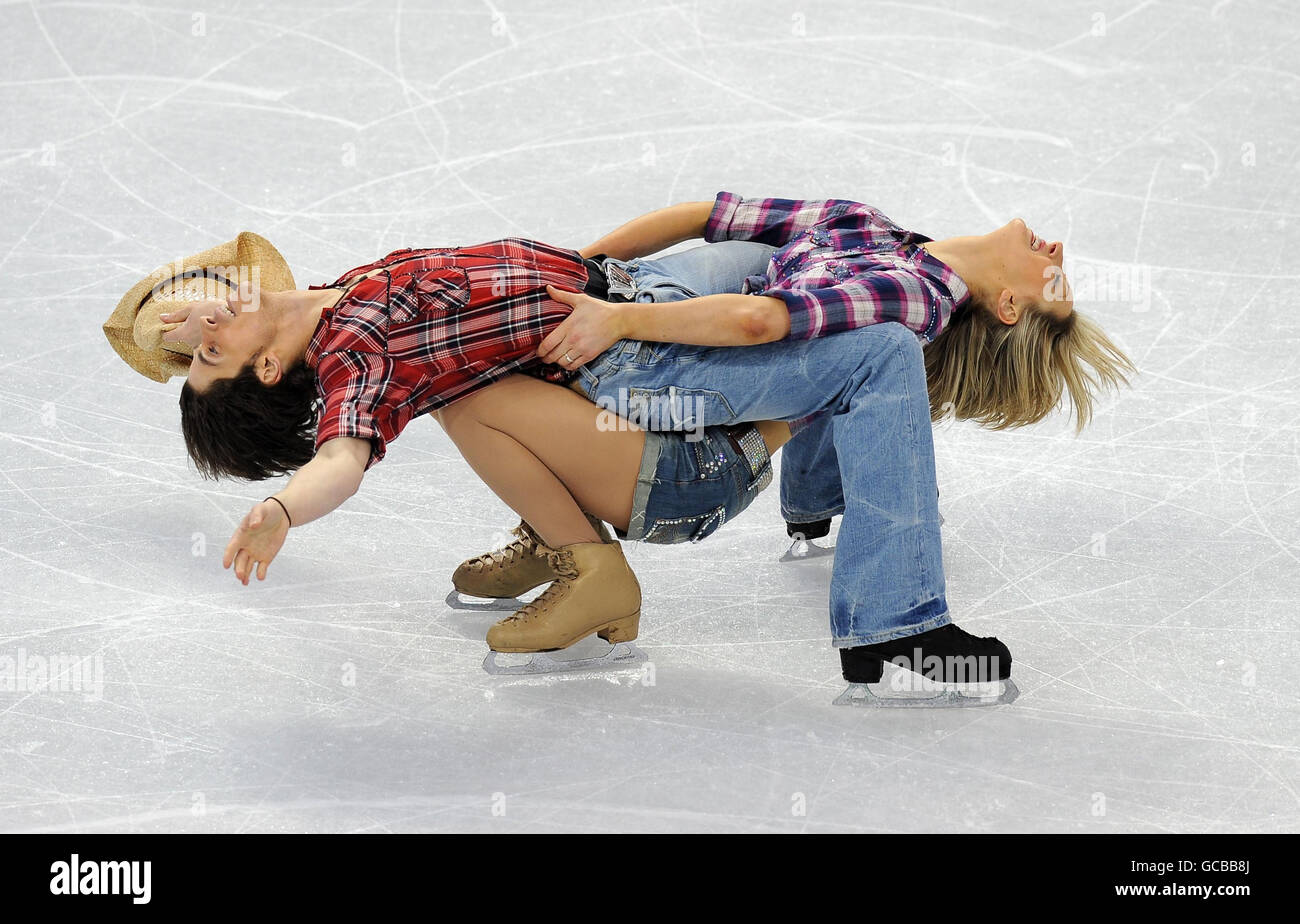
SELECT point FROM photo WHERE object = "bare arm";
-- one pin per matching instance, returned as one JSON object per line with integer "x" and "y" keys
{"x": 330, "y": 478}
{"x": 653, "y": 231}
{"x": 710, "y": 320}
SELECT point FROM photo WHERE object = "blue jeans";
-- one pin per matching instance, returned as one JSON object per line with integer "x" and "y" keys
{"x": 869, "y": 385}
{"x": 710, "y": 269}
{"x": 810, "y": 474}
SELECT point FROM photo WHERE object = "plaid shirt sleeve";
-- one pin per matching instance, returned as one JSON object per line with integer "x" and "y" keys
{"x": 355, "y": 386}
{"x": 768, "y": 221}
{"x": 892, "y": 295}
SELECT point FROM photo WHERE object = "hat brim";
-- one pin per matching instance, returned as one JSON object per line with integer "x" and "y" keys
{"x": 135, "y": 329}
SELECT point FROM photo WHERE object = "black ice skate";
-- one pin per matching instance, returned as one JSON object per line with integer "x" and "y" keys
{"x": 803, "y": 548}
{"x": 945, "y": 667}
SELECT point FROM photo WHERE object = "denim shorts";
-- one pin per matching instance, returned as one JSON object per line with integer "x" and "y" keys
{"x": 689, "y": 484}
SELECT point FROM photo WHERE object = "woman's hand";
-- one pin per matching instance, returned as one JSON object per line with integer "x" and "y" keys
{"x": 591, "y": 329}
{"x": 256, "y": 541}
{"x": 189, "y": 317}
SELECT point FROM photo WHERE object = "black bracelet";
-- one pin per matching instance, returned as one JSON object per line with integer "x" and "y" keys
{"x": 282, "y": 507}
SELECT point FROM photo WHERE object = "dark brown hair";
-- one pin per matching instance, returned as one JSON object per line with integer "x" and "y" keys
{"x": 241, "y": 428}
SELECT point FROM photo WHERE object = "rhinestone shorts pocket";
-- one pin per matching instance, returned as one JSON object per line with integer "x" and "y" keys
{"x": 685, "y": 529}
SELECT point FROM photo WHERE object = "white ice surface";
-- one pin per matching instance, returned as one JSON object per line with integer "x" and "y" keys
{"x": 1144, "y": 574}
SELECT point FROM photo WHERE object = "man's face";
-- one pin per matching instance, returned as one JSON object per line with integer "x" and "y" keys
{"x": 1033, "y": 268}
{"x": 233, "y": 332}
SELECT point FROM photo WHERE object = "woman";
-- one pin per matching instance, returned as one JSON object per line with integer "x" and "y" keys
{"x": 650, "y": 486}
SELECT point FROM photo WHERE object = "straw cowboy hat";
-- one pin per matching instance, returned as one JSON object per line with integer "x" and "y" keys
{"x": 135, "y": 329}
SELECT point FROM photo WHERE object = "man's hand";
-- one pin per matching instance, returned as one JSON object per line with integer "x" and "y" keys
{"x": 591, "y": 329}
{"x": 256, "y": 541}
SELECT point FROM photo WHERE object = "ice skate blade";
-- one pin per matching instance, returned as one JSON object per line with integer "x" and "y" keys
{"x": 458, "y": 601}
{"x": 998, "y": 693}
{"x": 805, "y": 550}
{"x": 619, "y": 657}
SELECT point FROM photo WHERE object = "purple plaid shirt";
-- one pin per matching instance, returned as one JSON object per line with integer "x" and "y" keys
{"x": 840, "y": 265}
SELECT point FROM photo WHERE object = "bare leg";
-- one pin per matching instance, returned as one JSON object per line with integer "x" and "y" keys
{"x": 539, "y": 448}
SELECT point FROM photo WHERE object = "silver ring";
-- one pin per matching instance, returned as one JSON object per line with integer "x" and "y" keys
{"x": 567, "y": 357}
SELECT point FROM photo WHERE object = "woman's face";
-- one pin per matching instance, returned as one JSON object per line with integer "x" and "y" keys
{"x": 233, "y": 331}
{"x": 1032, "y": 268}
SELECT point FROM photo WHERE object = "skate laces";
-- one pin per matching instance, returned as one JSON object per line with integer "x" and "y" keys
{"x": 562, "y": 564}
{"x": 524, "y": 545}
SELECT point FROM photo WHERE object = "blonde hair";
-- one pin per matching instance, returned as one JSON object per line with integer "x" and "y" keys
{"x": 1008, "y": 375}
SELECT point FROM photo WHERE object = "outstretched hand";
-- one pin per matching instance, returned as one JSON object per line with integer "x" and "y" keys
{"x": 590, "y": 329}
{"x": 256, "y": 541}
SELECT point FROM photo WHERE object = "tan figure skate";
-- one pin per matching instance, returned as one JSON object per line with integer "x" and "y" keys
{"x": 505, "y": 574}
{"x": 594, "y": 592}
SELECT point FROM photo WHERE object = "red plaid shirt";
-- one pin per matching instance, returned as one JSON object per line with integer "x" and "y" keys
{"x": 430, "y": 327}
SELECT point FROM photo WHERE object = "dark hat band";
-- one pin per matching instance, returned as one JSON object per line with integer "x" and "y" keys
{"x": 204, "y": 272}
